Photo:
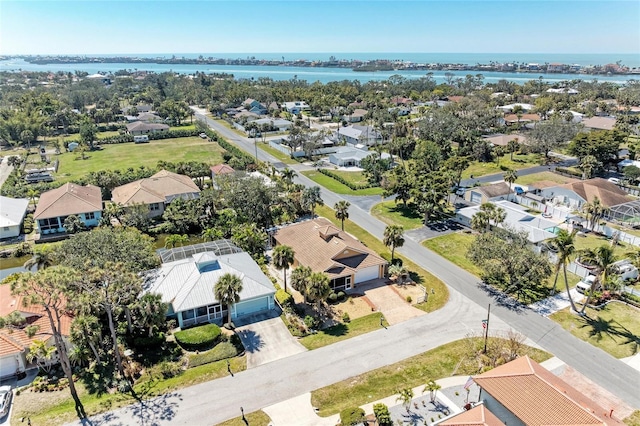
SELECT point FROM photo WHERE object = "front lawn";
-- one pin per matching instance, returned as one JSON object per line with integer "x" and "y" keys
{"x": 454, "y": 247}
{"x": 125, "y": 155}
{"x": 340, "y": 332}
{"x": 614, "y": 329}
{"x": 393, "y": 213}
{"x": 444, "y": 361}
{"x": 419, "y": 275}
{"x": 520, "y": 161}
{"x": 543, "y": 176}
{"x": 337, "y": 187}
{"x": 355, "y": 178}
{"x": 281, "y": 156}
{"x": 257, "y": 418}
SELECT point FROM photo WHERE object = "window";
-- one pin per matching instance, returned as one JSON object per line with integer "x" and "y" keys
{"x": 202, "y": 311}
{"x": 154, "y": 207}
{"x": 187, "y": 314}
{"x": 89, "y": 216}
{"x": 6, "y": 228}
{"x": 49, "y": 224}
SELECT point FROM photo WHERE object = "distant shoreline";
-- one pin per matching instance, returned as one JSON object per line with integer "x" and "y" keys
{"x": 352, "y": 64}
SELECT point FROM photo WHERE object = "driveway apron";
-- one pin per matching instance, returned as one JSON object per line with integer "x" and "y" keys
{"x": 267, "y": 340}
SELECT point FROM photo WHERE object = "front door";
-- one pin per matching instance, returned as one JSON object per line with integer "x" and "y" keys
{"x": 215, "y": 312}
{"x": 347, "y": 282}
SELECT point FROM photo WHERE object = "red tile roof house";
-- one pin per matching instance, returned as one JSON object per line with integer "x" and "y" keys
{"x": 14, "y": 342}
{"x": 221, "y": 169}
{"x": 70, "y": 199}
{"x": 522, "y": 392}
{"x": 156, "y": 191}
{"x": 324, "y": 248}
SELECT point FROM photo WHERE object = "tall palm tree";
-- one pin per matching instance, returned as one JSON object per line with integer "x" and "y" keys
{"x": 588, "y": 164}
{"x": 227, "y": 291}
{"x": 311, "y": 198}
{"x": 393, "y": 237}
{"x": 288, "y": 175}
{"x": 510, "y": 176}
{"x": 300, "y": 280}
{"x": 283, "y": 257}
{"x": 342, "y": 211}
{"x": 513, "y": 146}
{"x": 601, "y": 258}
{"x": 32, "y": 194}
{"x": 563, "y": 245}
{"x": 595, "y": 210}
{"x": 318, "y": 288}
{"x": 41, "y": 259}
{"x": 433, "y": 388}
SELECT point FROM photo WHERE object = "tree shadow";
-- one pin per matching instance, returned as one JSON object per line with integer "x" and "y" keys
{"x": 601, "y": 328}
{"x": 251, "y": 340}
{"x": 336, "y": 330}
{"x": 501, "y": 298}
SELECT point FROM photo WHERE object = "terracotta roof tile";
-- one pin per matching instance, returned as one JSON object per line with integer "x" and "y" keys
{"x": 477, "y": 416}
{"x": 67, "y": 200}
{"x": 159, "y": 188}
{"x": 221, "y": 169}
{"x": 609, "y": 193}
{"x": 8, "y": 345}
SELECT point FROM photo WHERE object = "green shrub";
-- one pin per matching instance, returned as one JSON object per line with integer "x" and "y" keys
{"x": 199, "y": 337}
{"x": 223, "y": 350}
{"x": 284, "y": 298}
{"x": 409, "y": 299}
{"x": 346, "y": 318}
{"x": 332, "y": 298}
{"x": 383, "y": 417}
{"x": 341, "y": 295}
{"x": 351, "y": 416}
{"x": 311, "y": 322}
{"x": 169, "y": 369}
{"x": 570, "y": 172}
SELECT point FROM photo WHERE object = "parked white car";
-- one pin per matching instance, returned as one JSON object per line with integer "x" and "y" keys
{"x": 585, "y": 284}
{"x": 5, "y": 400}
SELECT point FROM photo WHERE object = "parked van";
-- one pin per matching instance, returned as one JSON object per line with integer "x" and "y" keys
{"x": 141, "y": 138}
{"x": 585, "y": 284}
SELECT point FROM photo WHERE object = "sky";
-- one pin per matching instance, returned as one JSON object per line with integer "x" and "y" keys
{"x": 218, "y": 26}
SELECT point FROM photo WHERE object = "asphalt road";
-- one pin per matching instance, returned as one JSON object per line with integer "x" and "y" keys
{"x": 221, "y": 399}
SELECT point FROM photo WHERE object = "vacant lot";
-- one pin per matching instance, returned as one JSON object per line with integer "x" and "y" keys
{"x": 477, "y": 169}
{"x": 393, "y": 213}
{"x": 125, "y": 155}
{"x": 337, "y": 187}
{"x": 543, "y": 176}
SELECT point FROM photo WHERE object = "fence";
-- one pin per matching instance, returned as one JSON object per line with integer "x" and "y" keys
{"x": 609, "y": 232}
{"x": 556, "y": 212}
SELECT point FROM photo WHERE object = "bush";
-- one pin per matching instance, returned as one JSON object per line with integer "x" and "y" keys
{"x": 346, "y": 318}
{"x": 341, "y": 295}
{"x": 22, "y": 249}
{"x": 332, "y": 298}
{"x": 383, "y": 417}
{"x": 200, "y": 337}
{"x": 409, "y": 299}
{"x": 311, "y": 322}
{"x": 570, "y": 172}
{"x": 223, "y": 350}
{"x": 143, "y": 342}
{"x": 284, "y": 298}
{"x": 352, "y": 416}
{"x": 169, "y": 369}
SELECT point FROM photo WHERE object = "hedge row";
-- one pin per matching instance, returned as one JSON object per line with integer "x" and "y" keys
{"x": 343, "y": 181}
{"x": 569, "y": 172}
{"x": 284, "y": 298}
{"x": 232, "y": 149}
{"x": 198, "y": 337}
{"x": 126, "y": 138}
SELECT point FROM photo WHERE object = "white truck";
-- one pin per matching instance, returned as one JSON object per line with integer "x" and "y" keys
{"x": 624, "y": 270}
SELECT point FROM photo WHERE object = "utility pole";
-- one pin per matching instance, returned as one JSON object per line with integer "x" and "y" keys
{"x": 485, "y": 325}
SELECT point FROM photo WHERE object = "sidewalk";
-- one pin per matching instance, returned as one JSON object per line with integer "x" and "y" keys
{"x": 556, "y": 303}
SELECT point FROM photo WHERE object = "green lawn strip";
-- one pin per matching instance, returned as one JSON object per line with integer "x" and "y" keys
{"x": 125, "y": 155}
{"x": 592, "y": 241}
{"x": 478, "y": 169}
{"x": 440, "y": 295}
{"x": 633, "y": 419}
{"x": 437, "y": 363}
{"x": 257, "y": 418}
{"x": 393, "y": 213}
{"x": 542, "y": 176}
{"x": 340, "y": 332}
{"x": 76, "y": 137}
{"x": 337, "y": 187}
{"x": 614, "y": 329}
{"x": 64, "y": 411}
{"x": 356, "y": 178}
{"x": 281, "y": 156}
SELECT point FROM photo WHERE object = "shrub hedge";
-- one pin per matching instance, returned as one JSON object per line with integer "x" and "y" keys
{"x": 351, "y": 416}
{"x": 570, "y": 172}
{"x": 199, "y": 337}
{"x": 284, "y": 298}
{"x": 344, "y": 181}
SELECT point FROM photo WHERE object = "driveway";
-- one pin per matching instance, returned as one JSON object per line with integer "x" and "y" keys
{"x": 394, "y": 308}
{"x": 267, "y": 340}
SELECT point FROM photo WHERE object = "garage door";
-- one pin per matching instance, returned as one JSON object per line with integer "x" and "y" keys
{"x": 8, "y": 366}
{"x": 476, "y": 197}
{"x": 249, "y": 307}
{"x": 366, "y": 274}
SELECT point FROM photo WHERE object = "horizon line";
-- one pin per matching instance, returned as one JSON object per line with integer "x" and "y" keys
{"x": 324, "y": 52}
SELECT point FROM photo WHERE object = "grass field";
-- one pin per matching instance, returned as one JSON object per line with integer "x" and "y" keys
{"x": 257, "y": 418}
{"x": 125, "y": 155}
{"x": 355, "y": 178}
{"x": 337, "y": 187}
{"x": 396, "y": 214}
{"x": 281, "y": 156}
{"x": 592, "y": 241}
{"x": 614, "y": 329}
{"x": 440, "y": 362}
{"x": 340, "y": 332}
{"x": 421, "y": 276}
{"x": 538, "y": 177}
{"x": 478, "y": 169}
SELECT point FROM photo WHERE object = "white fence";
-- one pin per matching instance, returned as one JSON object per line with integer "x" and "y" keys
{"x": 559, "y": 213}
{"x": 609, "y": 232}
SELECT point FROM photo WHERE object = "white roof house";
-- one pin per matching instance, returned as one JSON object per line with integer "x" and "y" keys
{"x": 351, "y": 157}
{"x": 510, "y": 107}
{"x": 187, "y": 284}
{"x": 538, "y": 229}
{"x": 12, "y": 212}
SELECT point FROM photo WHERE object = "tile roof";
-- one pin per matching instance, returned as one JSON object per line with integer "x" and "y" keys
{"x": 222, "y": 169}
{"x": 477, "y": 416}
{"x": 609, "y": 193}
{"x": 162, "y": 187}
{"x": 321, "y": 246}
{"x": 12, "y": 210}
{"x": 503, "y": 140}
{"x": 537, "y": 397}
{"x": 8, "y": 345}
{"x": 599, "y": 123}
{"x": 494, "y": 190}
{"x": 67, "y": 200}
{"x": 142, "y": 126}
{"x": 513, "y": 118}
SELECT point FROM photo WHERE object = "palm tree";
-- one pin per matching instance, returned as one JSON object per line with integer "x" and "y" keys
{"x": 300, "y": 280}
{"x": 41, "y": 259}
{"x": 601, "y": 258}
{"x": 393, "y": 237}
{"x": 433, "y": 388}
{"x": 174, "y": 240}
{"x": 211, "y": 234}
{"x": 318, "y": 288}
{"x": 405, "y": 396}
{"x": 588, "y": 164}
{"x": 563, "y": 245}
{"x": 288, "y": 175}
{"x": 32, "y": 194}
{"x": 595, "y": 210}
{"x": 283, "y": 257}
{"x": 513, "y": 146}
{"x": 510, "y": 176}
{"x": 42, "y": 354}
{"x": 311, "y": 198}
{"x": 227, "y": 291}
{"x": 342, "y": 211}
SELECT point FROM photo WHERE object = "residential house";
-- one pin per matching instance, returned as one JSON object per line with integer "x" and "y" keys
{"x": 156, "y": 191}
{"x": 503, "y": 140}
{"x": 557, "y": 67}
{"x": 221, "y": 169}
{"x": 576, "y": 194}
{"x": 537, "y": 228}
{"x": 144, "y": 128}
{"x": 70, "y": 199}
{"x": 484, "y": 194}
{"x": 254, "y": 106}
{"x": 511, "y": 107}
{"x": 296, "y": 107}
{"x": 188, "y": 275}
{"x": 12, "y": 213}
{"x": 356, "y": 116}
{"x": 563, "y": 90}
{"x": 346, "y": 156}
{"x": 401, "y": 100}
{"x": 522, "y": 392}
{"x": 323, "y": 247}
{"x": 476, "y": 416}
{"x": 599, "y": 123}
{"x": 359, "y": 136}
{"x": 521, "y": 118}
{"x": 14, "y": 341}
{"x": 140, "y": 108}
{"x": 280, "y": 124}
